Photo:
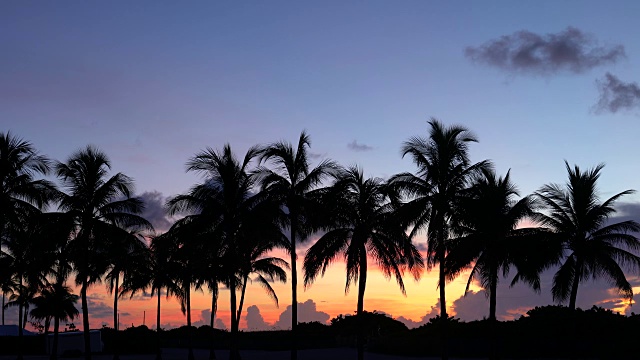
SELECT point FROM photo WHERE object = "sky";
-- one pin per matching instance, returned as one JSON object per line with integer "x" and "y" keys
{"x": 153, "y": 82}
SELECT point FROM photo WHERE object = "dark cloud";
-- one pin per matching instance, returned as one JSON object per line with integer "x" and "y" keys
{"x": 616, "y": 95}
{"x": 219, "y": 324}
{"x": 155, "y": 211}
{"x": 433, "y": 312}
{"x": 205, "y": 319}
{"x": 422, "y": 246}
{"x": 529, "y": 53}
{"x": 517, "y": 300}
{"x": 255, "y": 321}
{"x": 307, "y": 312}
{"x": 356, "y": 146}
{"x": 100, "y": 311}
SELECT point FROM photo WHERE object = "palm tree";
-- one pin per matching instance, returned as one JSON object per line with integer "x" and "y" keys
{"x": 102, "y": 209}
{"x": 595, "y": 246}
{"x": 21, "y": 196}
{"x": 156, "y": 269}
{"x": 360, "y": 225}
{"x": 444, "y": 169}
{"x": 124, "y": 254}
{"x": 29, "y": 257}
{"x": 57, "y": 302}
{"x": 292, "y": 182}
{"x": 490, "y": 239}
{"x": 227, "y": 213}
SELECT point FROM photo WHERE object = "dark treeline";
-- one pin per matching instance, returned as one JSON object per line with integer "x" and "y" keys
{"x": 87, "y": 228}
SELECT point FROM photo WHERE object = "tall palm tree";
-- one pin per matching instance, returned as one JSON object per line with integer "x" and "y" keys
{"x": 444, "y": 169}
{"x": 360, "y": 225}
{"x": 102, "y": 207}
{"x": 30, "y": 259}
{"x": 21, "y": 195}
{"x": 157, "y": 270}
{"x": 292, "y": 181}
{"x": 57, "y": 302}
{"x": 490, "y": 238}
{"x": 124, "y": 254}
{"x": 227, "y": 212}
{"x": 594, "y": 247}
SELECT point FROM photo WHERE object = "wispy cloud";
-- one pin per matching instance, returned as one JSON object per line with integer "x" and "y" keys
{"x": 529, "y": 53}
{"x": 616, "y": 95}
{"x": 356, "y": 146}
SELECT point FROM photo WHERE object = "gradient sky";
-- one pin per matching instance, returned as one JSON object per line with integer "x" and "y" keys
{"x": 152, "y": 83}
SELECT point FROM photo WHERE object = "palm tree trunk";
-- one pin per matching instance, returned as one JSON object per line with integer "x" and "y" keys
{"x": 115, "y": 319}
{"x": 158, "y": 351}
{"x": 234, "y": 354}
{"x": 3, "y": 308}
{"x": 191, "y": 356}
{"x": 85, "y": 320}
{"x": 443, "y": 305}
{"x": 493, "y": 286}
{"x": 20, "y": 331}
{"x": 294, "y": 289}
{"x": 244, "y": 289}
{"x": 362, "y": 284}
{"x": 577, "y": 274}
{"x": 54, "y": 348}
{"x": 214, "y": 309}
{"x": 25, "y": 316}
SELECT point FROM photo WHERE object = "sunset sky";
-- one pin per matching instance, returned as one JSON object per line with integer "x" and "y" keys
{"x": 153, "y": 82}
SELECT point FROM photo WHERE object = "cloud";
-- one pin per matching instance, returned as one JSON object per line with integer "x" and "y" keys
{"x": 616, "y": 95}
{"x": 433, "y": 312}
{"x": 422, "y": 246}
{"x": 154, "y": 210}
{"x": 512, "y": 302}
{"x": 205, "y": 319}
{"x": 529, "y": 53}
{"x": 355, "y": 146}
{"x": 219, "y": 324}
{"x": 315, "y": 156}
{"x": 307, "y": 312}
{"x": 255, "y": 321}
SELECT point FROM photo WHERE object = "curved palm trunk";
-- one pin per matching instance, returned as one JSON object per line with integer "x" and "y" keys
{"x": 294, "y": 290}
{"x": 3, "y": 308}
{"x": 85, "y": 320}
{"x": 115, "y": 320}
{"x": 54, "y": 347}
{"x": 214, "y": 309}
{"x": 577, "y": 274}
{"x": 362, "y": 284}
{"x": 158, "y": 351}
{"x": 234, "y": 354}
{"x": 244, "y": 289}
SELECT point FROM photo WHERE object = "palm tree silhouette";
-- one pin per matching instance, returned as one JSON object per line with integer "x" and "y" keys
{"x": 361, "y": 224}
{"x": 595, "y": 247}
{"x": 56, "y": 301}
{"x": 21, "y": 195}
{"x": 124, "y": 254}
{"x": 444, "y": 169}
{"x": 225, "y": 209}
{"x": 489, "y": 238}
{"x": 102, "y": 209}
{"x": 292, "y": 182}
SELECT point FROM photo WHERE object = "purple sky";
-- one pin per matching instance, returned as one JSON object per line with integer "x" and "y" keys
{"x": 153, "y": 82}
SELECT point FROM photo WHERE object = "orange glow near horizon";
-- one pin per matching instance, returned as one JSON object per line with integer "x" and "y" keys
{"x": 327, "y": 292}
